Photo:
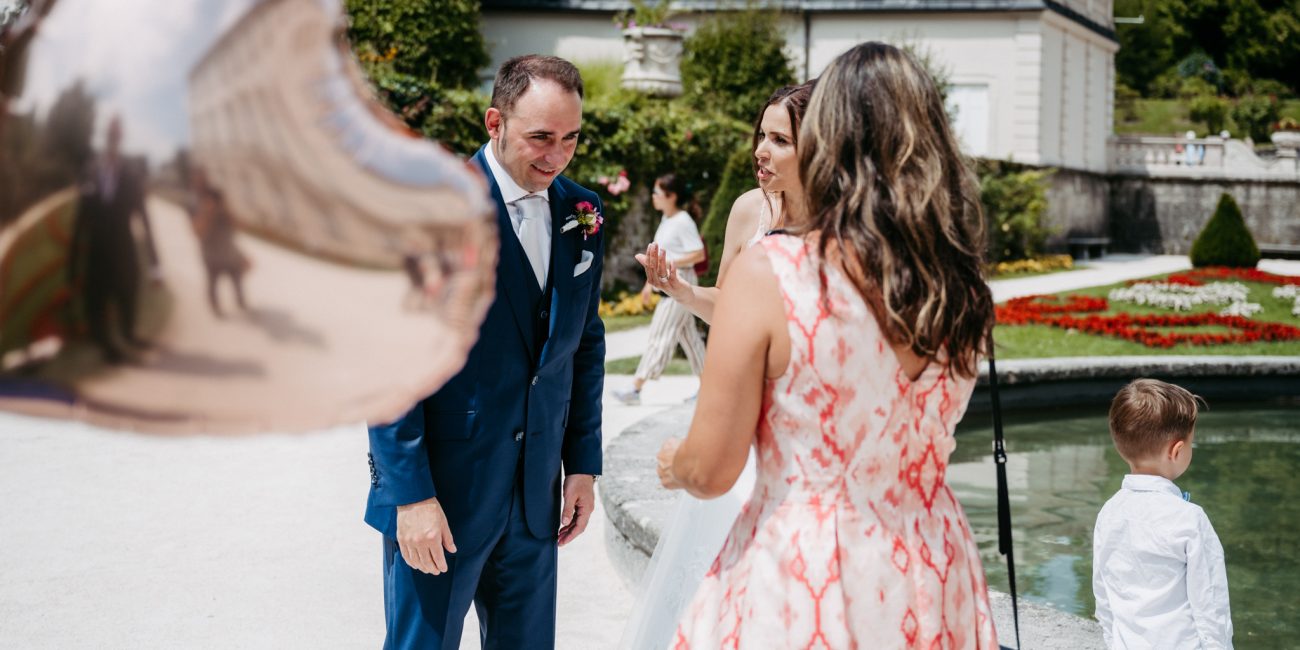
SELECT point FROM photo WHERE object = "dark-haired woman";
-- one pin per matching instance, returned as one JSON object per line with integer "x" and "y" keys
{"x": 765, "y": 208}
{"x": 672, "y": 325}
{"x": 846, "y": 353}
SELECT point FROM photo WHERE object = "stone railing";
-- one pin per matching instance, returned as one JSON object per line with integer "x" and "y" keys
{"x": 1209, "y": 158}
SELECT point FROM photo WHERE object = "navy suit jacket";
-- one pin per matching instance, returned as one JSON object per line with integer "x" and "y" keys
{"x": 463, "y": 444}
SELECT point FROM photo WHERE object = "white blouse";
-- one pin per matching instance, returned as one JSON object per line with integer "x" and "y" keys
{"x": 1157, "y": 570}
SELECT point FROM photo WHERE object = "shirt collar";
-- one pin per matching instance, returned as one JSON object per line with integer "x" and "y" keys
{"x": 1150, "y": 483}
{"x": 510, "y": 190}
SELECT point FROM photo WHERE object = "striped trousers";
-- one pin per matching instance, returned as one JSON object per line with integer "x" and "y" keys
{"x": 672, "y": 325}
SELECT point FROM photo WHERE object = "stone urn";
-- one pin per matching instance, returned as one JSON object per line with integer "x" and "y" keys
{"x": 1283, "y": 139}
{"x": 652, "y": 58}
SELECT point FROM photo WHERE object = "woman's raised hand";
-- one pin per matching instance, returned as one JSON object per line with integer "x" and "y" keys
{"x": 661, "y": 273}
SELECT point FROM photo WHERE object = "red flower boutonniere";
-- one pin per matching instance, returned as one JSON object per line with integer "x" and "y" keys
{"x": 587, "y": 219}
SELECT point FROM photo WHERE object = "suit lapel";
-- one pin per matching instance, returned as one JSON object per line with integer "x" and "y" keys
{"x": 511, "y": 273}
{"x": 564, "y": 255}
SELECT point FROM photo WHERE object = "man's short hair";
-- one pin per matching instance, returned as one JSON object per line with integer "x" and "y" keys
{"x": 1149, "y": 414}
{"x": 515, "y": 75}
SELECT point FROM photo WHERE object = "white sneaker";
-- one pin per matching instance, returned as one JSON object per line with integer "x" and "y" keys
{"x": 629, "y": 396}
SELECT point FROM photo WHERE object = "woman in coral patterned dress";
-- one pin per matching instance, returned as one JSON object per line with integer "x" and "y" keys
{"x": 847, "y": 356}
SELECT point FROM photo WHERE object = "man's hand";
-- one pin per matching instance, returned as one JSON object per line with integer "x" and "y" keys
{"x": 422, "y": 534}
{"x": 579, "y": 502}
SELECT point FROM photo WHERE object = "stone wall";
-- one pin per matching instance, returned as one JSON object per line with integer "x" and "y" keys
{"x": 1077, "y": 206}
{"x": 1151, "y": 214}
{"x": 1164, "y": 215}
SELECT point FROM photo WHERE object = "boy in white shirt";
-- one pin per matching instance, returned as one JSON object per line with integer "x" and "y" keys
{"x": 1157, "y": 565}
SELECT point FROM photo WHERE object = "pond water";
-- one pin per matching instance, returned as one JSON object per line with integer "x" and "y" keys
{"x": 1062, "y": 468}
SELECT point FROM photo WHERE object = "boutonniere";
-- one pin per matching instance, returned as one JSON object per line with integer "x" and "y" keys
{"x": 586, "y": 218}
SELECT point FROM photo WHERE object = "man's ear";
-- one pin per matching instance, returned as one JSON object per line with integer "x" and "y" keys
{"x": 492, "y": 120}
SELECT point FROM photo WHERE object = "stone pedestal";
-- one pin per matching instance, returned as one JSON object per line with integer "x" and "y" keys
{"x": 652, "y": 59}
{"x": 1286, "y": 140}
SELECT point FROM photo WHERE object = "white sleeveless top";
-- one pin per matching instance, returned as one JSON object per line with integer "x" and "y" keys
{"x": 771, "y": 206}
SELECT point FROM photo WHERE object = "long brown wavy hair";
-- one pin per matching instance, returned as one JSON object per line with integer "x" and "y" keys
{"x": 885, "y": 184}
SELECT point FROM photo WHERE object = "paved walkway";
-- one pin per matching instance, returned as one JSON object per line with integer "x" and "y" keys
{"x": 114, "y": 540}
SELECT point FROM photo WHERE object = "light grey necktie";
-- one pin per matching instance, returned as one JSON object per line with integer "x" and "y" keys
{"x": 533, "y": 235}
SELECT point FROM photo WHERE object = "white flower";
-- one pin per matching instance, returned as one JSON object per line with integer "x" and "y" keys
{"x": 1245, "y": 309}
{"x": 1291, "y": 291}
{"x": 1180, "y": 297}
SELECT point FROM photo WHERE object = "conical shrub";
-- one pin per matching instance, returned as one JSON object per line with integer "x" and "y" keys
{"x": 1225, "y": 240}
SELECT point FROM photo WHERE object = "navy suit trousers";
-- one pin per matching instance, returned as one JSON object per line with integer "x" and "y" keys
{"x": 428, "y": 612}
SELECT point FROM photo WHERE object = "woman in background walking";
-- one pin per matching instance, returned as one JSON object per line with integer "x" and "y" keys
{"x": 673, "y": 325}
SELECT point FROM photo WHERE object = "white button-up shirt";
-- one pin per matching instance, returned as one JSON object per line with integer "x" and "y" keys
{"x": 512, "y": 194}
{"x": 1157, "y": 570}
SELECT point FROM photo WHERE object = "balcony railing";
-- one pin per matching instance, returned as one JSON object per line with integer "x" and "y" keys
{"x": 1211, "y": 157}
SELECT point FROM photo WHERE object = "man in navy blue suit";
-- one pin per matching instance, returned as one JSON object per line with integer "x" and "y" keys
{"x": 478, "y": 485}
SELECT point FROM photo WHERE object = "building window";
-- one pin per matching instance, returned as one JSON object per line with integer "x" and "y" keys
{"x": 970, "y": 102}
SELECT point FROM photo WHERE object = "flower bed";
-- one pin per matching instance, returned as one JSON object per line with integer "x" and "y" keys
{"x": 1180, "y": 292}
{"x": 1042, "y": 264}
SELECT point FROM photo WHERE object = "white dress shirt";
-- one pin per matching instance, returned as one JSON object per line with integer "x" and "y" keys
{"x": 520, "y": 205}
{"x": 1157, "y": 570}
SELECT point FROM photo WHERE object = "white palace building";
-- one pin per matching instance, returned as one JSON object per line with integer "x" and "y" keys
{"x": 1032, "y": 80}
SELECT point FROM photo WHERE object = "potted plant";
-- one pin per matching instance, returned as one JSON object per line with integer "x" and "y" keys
{"x": 652, "y": 49}
{"x": 1286, "y": 133}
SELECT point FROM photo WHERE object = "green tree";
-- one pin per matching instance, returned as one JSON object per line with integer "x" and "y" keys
{"x": 737, "y": 178}
{"x": 1210, "y": 109}
{"x": 734, "y": 61}
{"x": 1015, "y": 205}
{"x": 438, "y": 43}
{"x": 1225, "y": 240}
{"x": 1253, "y": 114}
{"x": 1243, "y": 38}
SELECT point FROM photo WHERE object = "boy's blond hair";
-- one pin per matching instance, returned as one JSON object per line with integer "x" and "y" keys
{"x": 1148, "y": 414}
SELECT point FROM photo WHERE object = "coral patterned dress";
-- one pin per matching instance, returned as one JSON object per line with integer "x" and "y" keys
{"x": 852, "y": 538}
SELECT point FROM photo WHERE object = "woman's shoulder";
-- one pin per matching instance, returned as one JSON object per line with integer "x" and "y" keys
{"x": 749, "y": 203}
{"x": 745, "y": 210}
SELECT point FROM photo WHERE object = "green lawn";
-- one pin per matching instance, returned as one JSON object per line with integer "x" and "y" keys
{"x": 1169, "y": 117}
{"x": 620, "y": 323}
{"x": 1037, "y": 341}
{"x": 677, "y": 366}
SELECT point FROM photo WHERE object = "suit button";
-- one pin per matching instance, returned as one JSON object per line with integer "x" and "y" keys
{"x": 534, "y": 382}
{"x": 519, "y": 435}
{"x": 544, "y": 315}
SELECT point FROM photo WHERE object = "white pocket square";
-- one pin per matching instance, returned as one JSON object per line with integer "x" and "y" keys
{"x": 583, "y": 264}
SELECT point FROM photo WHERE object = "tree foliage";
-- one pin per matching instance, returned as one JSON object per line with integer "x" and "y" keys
{"x": 1241, "y": 40}
{"x": 1015, "y": 208}
{"x": 438, "y": 43}
{"x": 734, "y": 61}
{"x": 737, "y": 178}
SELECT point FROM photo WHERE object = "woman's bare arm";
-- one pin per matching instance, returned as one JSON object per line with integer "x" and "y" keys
{"x": 661, "y": 273}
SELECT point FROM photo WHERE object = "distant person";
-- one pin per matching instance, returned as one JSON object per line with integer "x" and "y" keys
{"x": 1157, "y": 568}
{"x": 215, "y": 228}
{"x": 1194, "y": 154}
{"x": 103, "y": 258}
{"x": 673, "y": 325}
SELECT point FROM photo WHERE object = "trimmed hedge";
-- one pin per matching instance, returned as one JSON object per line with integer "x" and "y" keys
{"x": 1225, "y": 240}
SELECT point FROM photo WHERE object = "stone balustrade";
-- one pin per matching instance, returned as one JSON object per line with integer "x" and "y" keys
{"x": 1210, "y": 158}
